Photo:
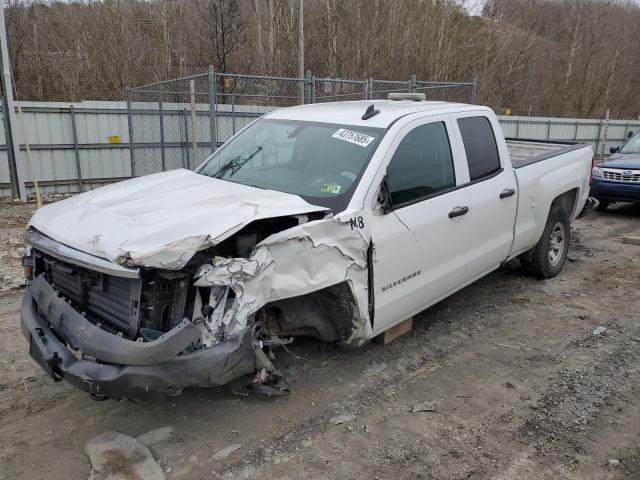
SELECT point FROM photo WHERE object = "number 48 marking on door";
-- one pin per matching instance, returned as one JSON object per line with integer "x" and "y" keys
{"x": 357, "y": 222}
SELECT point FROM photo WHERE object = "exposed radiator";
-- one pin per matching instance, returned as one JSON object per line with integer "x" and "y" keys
{"x": 106, "y": 299}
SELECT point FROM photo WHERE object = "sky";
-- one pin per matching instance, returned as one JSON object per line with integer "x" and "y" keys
{"x": 474, "y": 7}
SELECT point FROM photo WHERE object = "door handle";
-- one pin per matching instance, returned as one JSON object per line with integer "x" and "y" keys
{"x": 458, "y": 212}
{"x": 507, "y": 192}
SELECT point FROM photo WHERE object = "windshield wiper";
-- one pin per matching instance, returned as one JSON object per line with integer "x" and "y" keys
{"x": 235, "y": 164}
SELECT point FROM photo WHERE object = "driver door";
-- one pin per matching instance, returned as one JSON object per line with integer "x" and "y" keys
{"x": 421, "y": 246}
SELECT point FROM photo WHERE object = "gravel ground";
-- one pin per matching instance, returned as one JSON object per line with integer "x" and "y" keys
{"x": 516, "y": 383}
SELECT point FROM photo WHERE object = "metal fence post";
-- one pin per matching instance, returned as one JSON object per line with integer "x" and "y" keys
{"x": 17, "y": 185}
{"x": 474, "y": 91}
{"x": 130, "y": 126}
{"x": 76, "y": 150}
{"x": 233, "y": 114}
{"x": 186, "y": 145}
{"x": 413, "y": 83}
{"x": 160, "y": 110}
{"x": 605, "y": 133}
{"x": 308, "y": 81}
{"x": 371, "y": 87}
{"x": 213, "y": 105}
{"x": 597, "y": 149}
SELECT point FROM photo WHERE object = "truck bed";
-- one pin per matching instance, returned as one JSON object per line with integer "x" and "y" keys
{"x": 526, "y": 152}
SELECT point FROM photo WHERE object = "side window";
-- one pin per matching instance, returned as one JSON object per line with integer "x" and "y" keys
{"x": 422, "y": 165}
{"x": 480, "y": 146}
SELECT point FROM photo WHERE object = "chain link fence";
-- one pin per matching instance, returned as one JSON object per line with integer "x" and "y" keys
{"x": 336, "y": 90}
{"x": 179, "y": 123}
{"x": 380, "y": 89}
{"x": 169, "y": 125}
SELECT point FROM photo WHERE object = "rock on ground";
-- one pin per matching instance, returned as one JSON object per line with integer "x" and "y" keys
{"x": 225, "y": 452}
{"x": 631, "y": 239}
{"x": 115, "y": 456}
{"x": 156, "y": 436}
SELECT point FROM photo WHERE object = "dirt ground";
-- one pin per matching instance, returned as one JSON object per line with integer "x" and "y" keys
{"x": 521, "y": 388}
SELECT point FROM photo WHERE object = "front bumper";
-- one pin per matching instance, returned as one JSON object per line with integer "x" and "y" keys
{"x": 615, "y": 191}
{"x": 44, "y": 324}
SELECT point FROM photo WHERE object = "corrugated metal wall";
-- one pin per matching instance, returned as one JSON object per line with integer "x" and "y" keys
{"x": 50, "y": 135}
{"x": 100, "y": 124}
{"x": 570, "y": 129}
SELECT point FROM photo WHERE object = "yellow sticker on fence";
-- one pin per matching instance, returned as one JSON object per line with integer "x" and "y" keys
{"x": 113, "y": 139}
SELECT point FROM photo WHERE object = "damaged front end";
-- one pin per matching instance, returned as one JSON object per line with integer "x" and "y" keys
{"x": 127, "y": 330}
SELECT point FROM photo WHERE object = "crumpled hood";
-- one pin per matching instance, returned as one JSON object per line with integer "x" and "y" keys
{"x": 161, "y": 220}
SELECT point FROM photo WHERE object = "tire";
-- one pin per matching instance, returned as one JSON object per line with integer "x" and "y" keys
{"x": 547, "y": 258}
{"x": 602, "y": 206}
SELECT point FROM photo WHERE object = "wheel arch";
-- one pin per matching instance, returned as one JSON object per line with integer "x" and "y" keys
{"x": 568, "y": 200}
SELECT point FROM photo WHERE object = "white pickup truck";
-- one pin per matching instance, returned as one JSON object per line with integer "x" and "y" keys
{"x": 336, "y": 220}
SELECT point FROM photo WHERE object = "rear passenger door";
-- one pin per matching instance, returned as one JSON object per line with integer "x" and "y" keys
{"x": 421, "y": 246}
{"x": 492, "y": 191}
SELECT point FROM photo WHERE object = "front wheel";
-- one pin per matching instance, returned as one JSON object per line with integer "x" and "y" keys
{"x": 547, "y": 258}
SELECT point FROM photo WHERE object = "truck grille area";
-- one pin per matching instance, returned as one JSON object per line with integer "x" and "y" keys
{"x": 135, "y": 308}
{"x": 108, "y": 300}
{"x": 105, "y": 298}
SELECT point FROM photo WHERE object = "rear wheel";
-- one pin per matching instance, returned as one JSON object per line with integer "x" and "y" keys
{"x": 602, "y": 206}
{"x": 547, "y": 258}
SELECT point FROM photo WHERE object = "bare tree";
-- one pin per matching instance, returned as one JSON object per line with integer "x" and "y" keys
{"x": 556, "y": 57}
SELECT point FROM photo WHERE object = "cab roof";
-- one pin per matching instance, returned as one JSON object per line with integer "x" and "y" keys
{"x": 350, "y": 113}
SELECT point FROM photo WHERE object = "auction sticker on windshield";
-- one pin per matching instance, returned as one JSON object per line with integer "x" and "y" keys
{"x": 353, "y": 137}
{"x": 330, "y": 188}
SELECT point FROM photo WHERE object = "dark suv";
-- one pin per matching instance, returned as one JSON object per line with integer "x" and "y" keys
{"x": 617, "y": 179}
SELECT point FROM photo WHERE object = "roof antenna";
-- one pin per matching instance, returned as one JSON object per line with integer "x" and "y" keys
{"x": 370, "y": 112}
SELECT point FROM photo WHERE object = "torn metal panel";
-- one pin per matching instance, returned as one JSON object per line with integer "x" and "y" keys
{"x": 161, "y": 220}
{"x": 296, "y": 262}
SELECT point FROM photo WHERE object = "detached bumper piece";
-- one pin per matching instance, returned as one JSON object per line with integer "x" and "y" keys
{"x": 589, "y": 205}
{"x": 124, "y": 368}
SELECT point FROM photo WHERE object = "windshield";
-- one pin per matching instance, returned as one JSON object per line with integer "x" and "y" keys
{"x": 632, "y": 146}
{"x": 321, "y": 162}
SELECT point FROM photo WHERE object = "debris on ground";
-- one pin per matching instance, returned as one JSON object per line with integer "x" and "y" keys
{"x": 614, "y": 463}
{"x": 225, "y": 452}
{"x": 599, "y": 330}
{"x": 340, "y": 419}
{"x": 115, "y": 456}
{"x": 424, "y": 407}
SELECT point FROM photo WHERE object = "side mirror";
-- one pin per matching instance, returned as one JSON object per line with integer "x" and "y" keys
{"x": 614, "y": 149}
{"x": 384, "y": 196}
{"x": 630, "y": 134}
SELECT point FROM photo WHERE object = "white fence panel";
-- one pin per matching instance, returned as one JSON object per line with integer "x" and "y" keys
{"x": 103, "y": 150}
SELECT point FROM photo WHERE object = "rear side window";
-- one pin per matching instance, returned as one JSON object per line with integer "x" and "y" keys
{"x": 480, "y": 146}
{"x": 422, "y": 165}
